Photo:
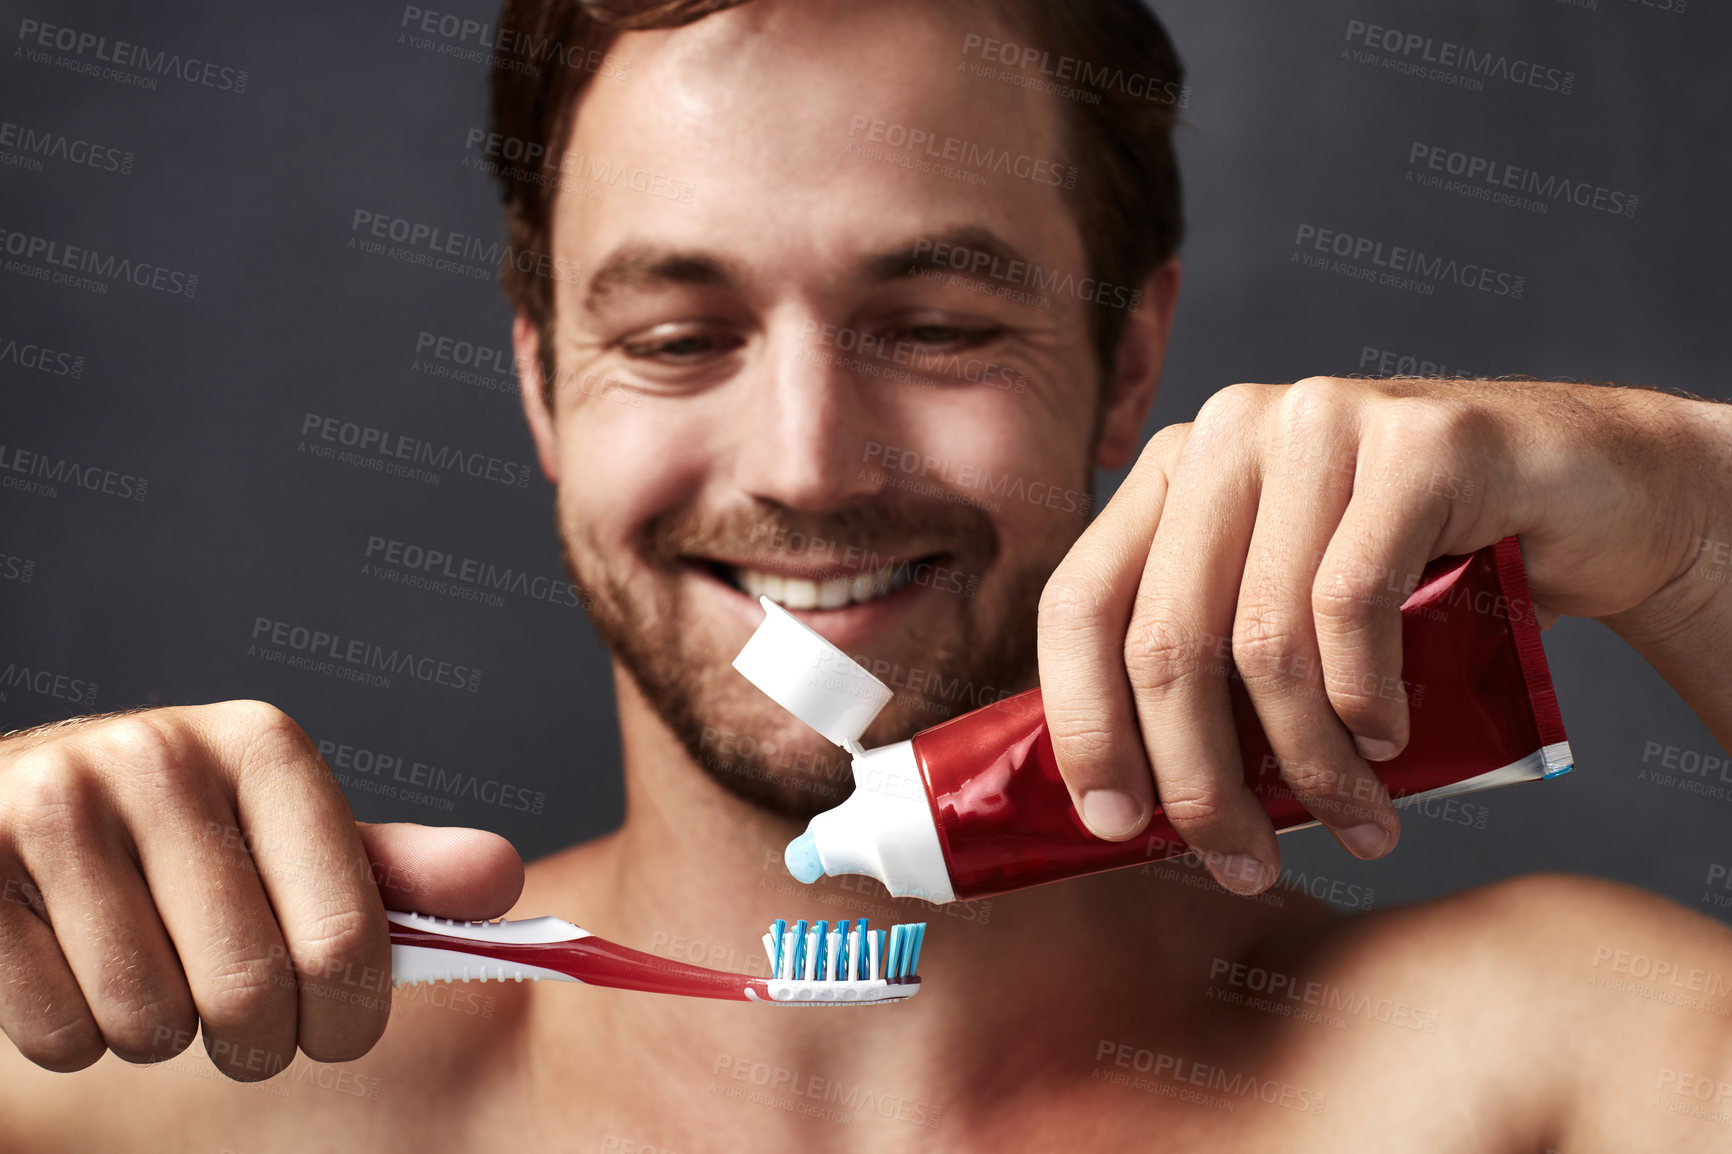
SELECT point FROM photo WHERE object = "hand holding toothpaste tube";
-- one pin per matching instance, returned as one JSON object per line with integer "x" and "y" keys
{"x": 1279, "y": 534}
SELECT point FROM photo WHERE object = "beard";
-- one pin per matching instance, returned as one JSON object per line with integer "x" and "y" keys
{"x": 744, "y": 741}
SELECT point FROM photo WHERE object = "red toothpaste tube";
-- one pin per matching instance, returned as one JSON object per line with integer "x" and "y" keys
{"x": 975, "y": 806}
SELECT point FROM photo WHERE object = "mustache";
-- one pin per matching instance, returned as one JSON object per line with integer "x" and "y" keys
{"x": 861, "y": 535}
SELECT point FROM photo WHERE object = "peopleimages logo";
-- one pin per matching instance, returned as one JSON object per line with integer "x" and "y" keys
{"x": 1458, "y": 64}
{"x": 36, "y": 35}
{"x": 401, "y": 454}
{"x": 52, "y": 471}
{"x": 967, "y": 153}
{"x": 1510, "y": 184}
{"x": 355, "y": 656}
{"x": 1397, "y": 265}
{"x": 56, "y": 254}
{"x": 40, "y": 358}
{"x": 34, "y": 144}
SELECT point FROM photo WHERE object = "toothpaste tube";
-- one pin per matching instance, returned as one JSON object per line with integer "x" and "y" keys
{"x": 975, "y": 806}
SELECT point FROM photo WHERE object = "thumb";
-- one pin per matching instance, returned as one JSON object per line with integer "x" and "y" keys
{"x": 445, "y": 871}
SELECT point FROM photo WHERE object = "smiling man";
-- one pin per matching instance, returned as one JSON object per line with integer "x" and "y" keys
{"x": 867, "y": 367}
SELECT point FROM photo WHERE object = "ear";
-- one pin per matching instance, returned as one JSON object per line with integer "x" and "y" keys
{"x": 1137, "y": 368}
{"x": 526, "y": 349}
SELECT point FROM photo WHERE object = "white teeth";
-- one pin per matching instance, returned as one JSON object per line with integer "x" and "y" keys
{"x": 803, "y": 593}
{"x": 799, "y": 593}
{"x": 835, "y": 593}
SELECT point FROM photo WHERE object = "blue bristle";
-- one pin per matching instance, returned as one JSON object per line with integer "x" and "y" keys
{"x": 898, "y": 948}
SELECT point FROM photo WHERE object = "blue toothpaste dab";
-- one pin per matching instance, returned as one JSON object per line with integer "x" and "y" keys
{"x": 802, "y": 859}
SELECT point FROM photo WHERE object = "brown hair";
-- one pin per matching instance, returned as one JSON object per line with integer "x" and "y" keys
{"x": 1121, "y": 63}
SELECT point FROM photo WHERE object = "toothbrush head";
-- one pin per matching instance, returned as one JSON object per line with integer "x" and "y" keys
{"x": 847, "y": 965}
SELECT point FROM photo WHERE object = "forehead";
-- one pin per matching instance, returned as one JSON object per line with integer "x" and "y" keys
{"x": 791, "y": 134}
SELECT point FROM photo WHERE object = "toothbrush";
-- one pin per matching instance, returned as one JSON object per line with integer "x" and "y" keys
{"x": 809, "y": 965}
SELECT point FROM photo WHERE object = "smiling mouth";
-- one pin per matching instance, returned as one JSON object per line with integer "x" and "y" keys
{"x": 834, "y": 591}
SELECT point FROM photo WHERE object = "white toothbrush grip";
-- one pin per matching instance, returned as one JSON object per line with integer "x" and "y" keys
{"x": 524, "y": 931}
{"x": 413, "y": 964}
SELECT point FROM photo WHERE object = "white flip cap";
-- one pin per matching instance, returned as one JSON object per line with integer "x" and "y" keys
{"x": 811, "y": 678}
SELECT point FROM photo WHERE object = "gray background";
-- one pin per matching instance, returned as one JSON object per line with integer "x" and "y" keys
{"x": 155, "y": 601}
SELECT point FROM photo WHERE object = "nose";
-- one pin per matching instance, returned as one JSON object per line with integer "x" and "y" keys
{"x": 805, "y": 421}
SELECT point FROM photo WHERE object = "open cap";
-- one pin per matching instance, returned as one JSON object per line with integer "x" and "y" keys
{"x": 811, "y": 678}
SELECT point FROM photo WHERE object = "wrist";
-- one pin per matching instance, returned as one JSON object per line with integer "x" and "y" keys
{"x": 1695, "y": 604}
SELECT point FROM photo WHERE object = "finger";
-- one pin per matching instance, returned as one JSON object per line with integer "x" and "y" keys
{"x": 1392, "y": 527}
{"x": 207, "y": 891}
{"x": 1084, "y": 611}
{"x": 43, "y": 1012}
{"x": 80, "y": 854}
{"x": 1176, "y": 651}
{"x": 1308, "y": 463}
{"x": 447, "y": 871}
{"x": 319, "y": 882}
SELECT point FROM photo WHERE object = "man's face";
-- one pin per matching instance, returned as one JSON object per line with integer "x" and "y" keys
{"x": 758, "y": 393}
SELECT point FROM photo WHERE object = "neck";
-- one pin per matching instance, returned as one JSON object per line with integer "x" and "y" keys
{"x": 696, "y": 873}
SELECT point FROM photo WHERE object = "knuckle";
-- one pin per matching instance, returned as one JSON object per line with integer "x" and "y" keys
{"x": 1230, "y": 411}
{"x": 1268, "y": 645}
{"x": 1344, "y": 596}
{"x": 1070, "y": 604}
{"x": 1196, "y": 814}
{"x": 340, "y": 938}
{"x": 1161, "y": 653}
{"x": 269, "y": 735}
{"x": 1361, "y": 701}
{"x": 246, "y": 991}
{"x": 1080, "y": 745}
{"x": 142, "y": 739}
{"x": 1306, "y": 407}
{"x": 1312, "y": 782}
{"x": 1162, "y": 450}
{"x": 72, "y": 1043}
{"x": 48, "y": 796}
{"x": 151, "y": 1028}
{"x": 140, "y": 750}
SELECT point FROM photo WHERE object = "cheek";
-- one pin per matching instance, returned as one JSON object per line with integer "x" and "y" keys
{"x": 624, "y": 459}
{"x": 1029, "y": 460}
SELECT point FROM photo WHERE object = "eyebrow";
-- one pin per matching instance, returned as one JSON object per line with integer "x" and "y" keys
{"x": 984, "y": 256}
{"x": 647, "y": 266}
{"x": 982, "y": 253}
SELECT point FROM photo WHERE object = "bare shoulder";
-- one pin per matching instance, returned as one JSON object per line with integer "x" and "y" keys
{"x": 1585, "y": 1014}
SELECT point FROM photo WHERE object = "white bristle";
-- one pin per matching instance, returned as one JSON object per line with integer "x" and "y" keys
{"x": 830, "y": 952}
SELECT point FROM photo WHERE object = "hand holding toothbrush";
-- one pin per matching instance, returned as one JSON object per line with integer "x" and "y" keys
{"x": 212, "y": 847}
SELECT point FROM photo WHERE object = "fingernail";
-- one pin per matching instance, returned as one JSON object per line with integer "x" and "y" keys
{"x": 1110, "y": 813}
{"x": 1243, "y": 874}
{"x": 1375, "y": 748}
{"x": 1367, "y": 840}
